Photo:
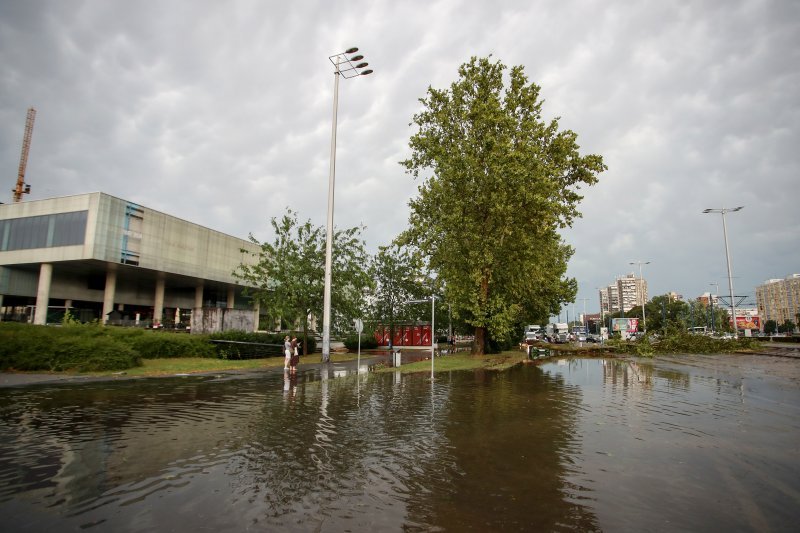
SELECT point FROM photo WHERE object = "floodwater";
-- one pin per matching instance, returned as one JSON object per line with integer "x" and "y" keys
{"x": 686, "y": 443}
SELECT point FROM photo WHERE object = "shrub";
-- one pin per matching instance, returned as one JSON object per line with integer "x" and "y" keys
{"x": 237, "y": 344}
{"x": 81, "y": 348}
{"x": 368, "y": 342}
{"x": 158, "y": 345}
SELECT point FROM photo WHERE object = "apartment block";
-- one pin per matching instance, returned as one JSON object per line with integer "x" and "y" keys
{"x": 779, "y": 299}
{"x": 626, "y": 293}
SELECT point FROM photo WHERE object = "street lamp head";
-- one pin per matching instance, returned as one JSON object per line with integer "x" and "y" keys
{"x": 352, "y": 50}
{"x": 362, "y": 65}
{"x": 737, "y": 208}
{"x": 359, "y": 57}
{"x": 707, "y": 210}
{"x": 366, "y": 72}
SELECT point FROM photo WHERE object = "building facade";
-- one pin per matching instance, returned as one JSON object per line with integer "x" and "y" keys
{"x": 626, "y": 293}
{"x": 105, "y": 258}
{"x": 779, "y": 299}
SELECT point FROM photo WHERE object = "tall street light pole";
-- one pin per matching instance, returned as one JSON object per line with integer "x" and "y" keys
{"x": 716, "y": 292}
{"x": 723, "y": 211}
{"x": 584, "y": 322}
{"x": 346, "y": 65}
{"x": 602, "y": 315}
{"x": 644, "y": 295}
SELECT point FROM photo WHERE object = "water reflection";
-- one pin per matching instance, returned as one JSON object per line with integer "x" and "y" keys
{"x": 581, "y": 445}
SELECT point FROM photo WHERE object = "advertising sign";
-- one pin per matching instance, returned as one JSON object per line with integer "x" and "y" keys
{"x": 748, "y": 322}
{"x": 625, "y": 326}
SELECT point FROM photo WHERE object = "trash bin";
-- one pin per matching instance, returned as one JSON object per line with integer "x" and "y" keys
{"x": 396, "y": 356}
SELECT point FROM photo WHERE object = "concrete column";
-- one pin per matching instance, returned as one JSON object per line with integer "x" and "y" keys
{"x": 67, "y": 303}
{"x": 109, "y": 293}
{"x": 158, "y": 306}
{"x": 197, "y": 310}
{"x": 231, "y": 296}
{"x": 256, "y": 310}
{"x": 43, "y": 293}
{"x": 198, "y": 296}
{"x": 1, "y": 307}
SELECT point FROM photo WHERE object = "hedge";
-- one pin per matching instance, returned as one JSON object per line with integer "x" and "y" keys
{"x": 80, "y": 348}
{"x": 237, "y": 344}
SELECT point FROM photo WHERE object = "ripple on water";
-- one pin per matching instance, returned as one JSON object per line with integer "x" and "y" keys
{"x": 582, "y": 445}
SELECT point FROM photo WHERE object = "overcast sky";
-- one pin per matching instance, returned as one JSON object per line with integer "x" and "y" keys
{"x": 220, "y": 113}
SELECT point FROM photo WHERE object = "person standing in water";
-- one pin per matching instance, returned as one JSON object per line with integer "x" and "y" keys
{"x": 295, "y": 357}
{"x": 287, "y": 352}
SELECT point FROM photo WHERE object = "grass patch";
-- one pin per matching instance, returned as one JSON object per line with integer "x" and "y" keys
{"x": 463, "y": 361}
{"x": 197, "y": 365}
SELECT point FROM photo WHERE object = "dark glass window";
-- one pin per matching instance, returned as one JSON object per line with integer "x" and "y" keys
{"x": 46, "y": 231}
{"x": 69, "y": 228}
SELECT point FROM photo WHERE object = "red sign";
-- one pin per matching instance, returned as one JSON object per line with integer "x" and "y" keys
{"x": 748, "y": 322}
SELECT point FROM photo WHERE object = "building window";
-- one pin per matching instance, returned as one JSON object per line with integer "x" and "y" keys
{"x": 45, "y": 231}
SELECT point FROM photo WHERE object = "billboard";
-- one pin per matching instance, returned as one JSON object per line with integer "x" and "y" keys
{"x": 625, "y": 326}
{"x": 748, "y": 322}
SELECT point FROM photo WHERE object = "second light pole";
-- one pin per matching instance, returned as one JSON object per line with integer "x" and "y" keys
{"x": 723, "y": 211}
{"x": 345, "y": 64}
{"x": 644, "y": 293}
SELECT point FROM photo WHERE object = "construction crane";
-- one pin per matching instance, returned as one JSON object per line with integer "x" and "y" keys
{"x": 23, "y": 159}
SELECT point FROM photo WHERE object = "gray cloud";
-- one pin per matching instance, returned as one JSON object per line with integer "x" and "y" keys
{"x": 220, "y": 113}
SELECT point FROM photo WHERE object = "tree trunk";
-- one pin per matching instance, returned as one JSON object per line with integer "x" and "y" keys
{"x": 479, "y": 345}
{"x": 480, "y": 341}
{"x": 305, "y": 335}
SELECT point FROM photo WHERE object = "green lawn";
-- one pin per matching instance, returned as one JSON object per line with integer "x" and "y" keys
{"x": 463, "y": 361}
{"x": 192, "y": 365}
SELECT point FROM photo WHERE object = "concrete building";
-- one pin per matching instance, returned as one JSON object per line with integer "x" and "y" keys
{"x": 106, "y": 258}
{"x": 628, "y": 292}
{"x": 708, "y": 299}
{"x": 779, "y": 299}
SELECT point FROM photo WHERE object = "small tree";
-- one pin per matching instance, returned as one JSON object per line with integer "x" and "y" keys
{"x": 786, "y": 327}
{"x": 770, "y": 327}
{"x": 289, "y": 273}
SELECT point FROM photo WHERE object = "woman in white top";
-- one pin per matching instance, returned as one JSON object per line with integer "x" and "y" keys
{"x": 287, "y": 352}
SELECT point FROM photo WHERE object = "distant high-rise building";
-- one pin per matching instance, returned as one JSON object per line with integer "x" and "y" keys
{"x": 779, "y": 299}
{"x": 625, "y": 294}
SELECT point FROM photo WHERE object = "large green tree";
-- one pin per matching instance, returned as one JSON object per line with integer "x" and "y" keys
{"x": 288, "y": 274}
{"x": 498, "y": 183}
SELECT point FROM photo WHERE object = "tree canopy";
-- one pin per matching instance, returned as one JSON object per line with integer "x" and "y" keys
{"x": 289, "y": 273}
{"x": 498, "y": 183}
{"x": 398, "y": 277}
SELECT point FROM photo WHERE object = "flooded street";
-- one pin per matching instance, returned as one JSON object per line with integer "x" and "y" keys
{"x": 673, "y": 444}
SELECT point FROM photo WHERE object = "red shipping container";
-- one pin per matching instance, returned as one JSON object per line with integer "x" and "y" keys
{"x": 426, "y": 336}
{"x": 407, "y": 337}
{"x": 398, "y": 336}
{"x": 416, "y": 337}
{"x": 378, "y": 336}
